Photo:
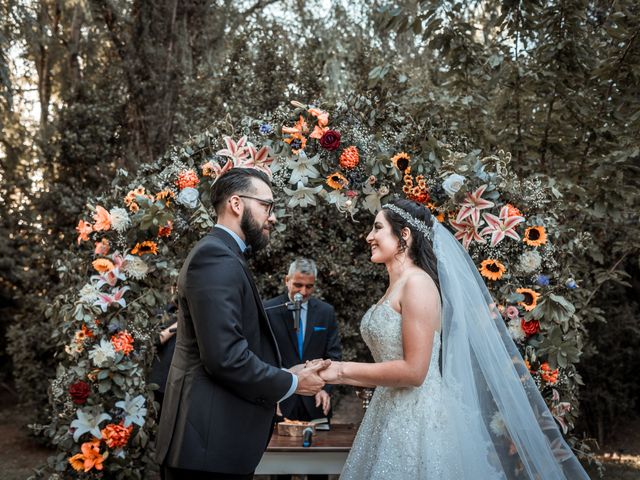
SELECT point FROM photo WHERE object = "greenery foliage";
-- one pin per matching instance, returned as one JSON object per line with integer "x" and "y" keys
{"x": 106, "y": 320}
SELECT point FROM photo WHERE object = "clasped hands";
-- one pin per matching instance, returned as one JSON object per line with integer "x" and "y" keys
{"x": 313, "y": 375}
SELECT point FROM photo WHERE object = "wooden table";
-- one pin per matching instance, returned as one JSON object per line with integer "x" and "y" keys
{"x": 326, "y": 455}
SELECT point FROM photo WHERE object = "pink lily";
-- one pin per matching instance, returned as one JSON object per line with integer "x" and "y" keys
{"x": 118, "y": 260}
{"x": 218, "y": 170}
{"x": 501, "y": 226}
{"x": 235, "y": 151}
{"x": 467, "y": 231}
{"x": 472, "y": 205}
{"x": 117, "y": 296}
{"x": 108, "y": 278}
{"x": 259, "y": 159}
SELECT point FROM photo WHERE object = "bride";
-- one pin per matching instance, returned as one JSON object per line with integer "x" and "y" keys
{"x": 454, "y": 398}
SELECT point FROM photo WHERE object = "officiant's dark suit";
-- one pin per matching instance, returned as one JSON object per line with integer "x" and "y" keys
{"x": 321, "y": 340}
{"x": 225, "y": 377}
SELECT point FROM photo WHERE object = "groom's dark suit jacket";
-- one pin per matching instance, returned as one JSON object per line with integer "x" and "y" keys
{"x": 225, "y": 376}
{"x": 321, "y": 340}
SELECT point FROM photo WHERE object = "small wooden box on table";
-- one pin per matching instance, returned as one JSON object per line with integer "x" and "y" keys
{"x": 326, "y": 455}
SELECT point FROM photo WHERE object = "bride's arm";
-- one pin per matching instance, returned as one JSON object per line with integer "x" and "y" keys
{"x": 420, "y": 304}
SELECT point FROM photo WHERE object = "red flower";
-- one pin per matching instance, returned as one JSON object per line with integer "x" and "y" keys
{"x": 330, "y": 140}
{"x": 79, "y": 392}
{"x": 530, "y": 327}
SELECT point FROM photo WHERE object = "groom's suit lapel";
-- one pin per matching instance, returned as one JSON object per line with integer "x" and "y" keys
{"x": 233, "y": 246}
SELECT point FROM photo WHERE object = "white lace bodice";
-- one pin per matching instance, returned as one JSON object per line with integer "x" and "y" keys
{"x": 381, "y": 329}
{"x": 403, "y": 433}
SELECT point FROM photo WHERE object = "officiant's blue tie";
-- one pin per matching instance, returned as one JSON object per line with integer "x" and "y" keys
{"x": 300, "y": 339}
{"x": 301, "y": 327}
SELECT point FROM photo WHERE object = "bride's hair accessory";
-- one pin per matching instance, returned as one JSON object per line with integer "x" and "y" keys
{"x": 414, "y": 222}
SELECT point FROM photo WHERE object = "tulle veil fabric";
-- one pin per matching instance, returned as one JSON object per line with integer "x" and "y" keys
{"x": 498, "y": 419}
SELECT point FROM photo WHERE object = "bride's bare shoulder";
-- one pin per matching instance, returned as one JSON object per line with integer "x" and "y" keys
{"x": 419, "y": 279}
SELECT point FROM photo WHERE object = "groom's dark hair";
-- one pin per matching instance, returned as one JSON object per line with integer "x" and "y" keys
{"x": 236, "y": 180}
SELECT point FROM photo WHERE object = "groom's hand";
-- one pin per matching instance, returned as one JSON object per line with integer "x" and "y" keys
{"x": 309, "y": 363}
{"x": 309, "y": 382}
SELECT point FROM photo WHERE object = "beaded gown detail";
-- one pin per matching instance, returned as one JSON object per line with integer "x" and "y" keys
{"x": 403, "y": 434}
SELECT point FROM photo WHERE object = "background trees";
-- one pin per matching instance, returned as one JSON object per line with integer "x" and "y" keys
{"x": 89, "y": 87}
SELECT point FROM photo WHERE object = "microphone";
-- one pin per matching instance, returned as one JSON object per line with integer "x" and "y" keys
{"x": 307, "y": 435}
{"x": 297, "y": 306}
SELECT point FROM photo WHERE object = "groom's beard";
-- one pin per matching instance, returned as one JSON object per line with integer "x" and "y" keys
{"x": 253, "y": 232}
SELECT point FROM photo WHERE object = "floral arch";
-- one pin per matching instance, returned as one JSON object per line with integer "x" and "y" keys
{"x": 352, "y": 155}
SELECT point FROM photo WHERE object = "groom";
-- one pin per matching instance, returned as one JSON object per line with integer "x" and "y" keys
{"x": 225, "y": 377}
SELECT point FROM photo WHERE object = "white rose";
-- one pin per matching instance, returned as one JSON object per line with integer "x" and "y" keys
{"x": 530, "y": 261}
{"x": 188, "y": 197}
{"x": 453, "y": 183}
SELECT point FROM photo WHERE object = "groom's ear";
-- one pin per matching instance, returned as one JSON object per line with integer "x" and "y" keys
{"x": 235, "y": 203}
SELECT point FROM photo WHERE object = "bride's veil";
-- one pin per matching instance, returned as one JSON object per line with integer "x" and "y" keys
{"x": 500, "y": 423}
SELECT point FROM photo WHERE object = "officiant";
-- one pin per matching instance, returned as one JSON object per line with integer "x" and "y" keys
{"x": 316, "y": 337}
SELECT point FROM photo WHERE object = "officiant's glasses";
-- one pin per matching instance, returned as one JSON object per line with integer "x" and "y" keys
{"x": 270, "y": 204}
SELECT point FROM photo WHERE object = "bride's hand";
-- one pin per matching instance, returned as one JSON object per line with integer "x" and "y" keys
{"x": 333, "y": 373}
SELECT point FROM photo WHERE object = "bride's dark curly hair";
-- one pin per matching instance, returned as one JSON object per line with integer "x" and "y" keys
{"x": 421, "y": 251}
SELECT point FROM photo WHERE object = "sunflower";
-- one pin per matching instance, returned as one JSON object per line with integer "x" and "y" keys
{"x": 530, "y": 298}
{"x": 145, "y": 248}
{"x": 406, "y": 189}
{"x": 165, "y": 194}
{"x": 297, "y": 141}
{"x": 401, "y": 161}
{"x": 337, "y": 181}
{"x": 535, "y": 236}
{"x": 103, "y": 265}
{"x": 492, "y": 269}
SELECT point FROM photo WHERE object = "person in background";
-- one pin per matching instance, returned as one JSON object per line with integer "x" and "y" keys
{"x": 165, "y": 346}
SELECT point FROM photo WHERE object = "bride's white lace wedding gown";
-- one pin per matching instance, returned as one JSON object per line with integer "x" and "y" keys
{"x": 404, "y": 432}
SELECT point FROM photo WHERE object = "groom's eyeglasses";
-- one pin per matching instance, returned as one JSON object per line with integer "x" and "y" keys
{"x": 270, "y": 204}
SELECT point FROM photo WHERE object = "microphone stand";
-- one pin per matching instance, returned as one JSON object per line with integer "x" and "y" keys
{"x": 292, "y": 307}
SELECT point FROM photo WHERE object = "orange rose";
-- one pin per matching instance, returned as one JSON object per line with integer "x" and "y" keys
{"x": 116, "y": 435}
{"x": 103, "y": 265}
{"x": 187, "y": 179}
{"x": 122, "y": 342}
